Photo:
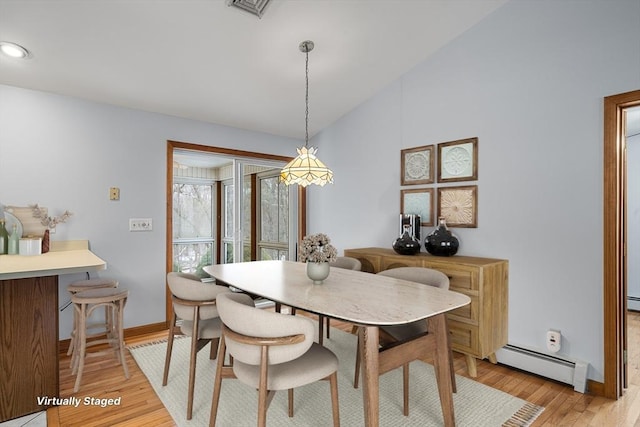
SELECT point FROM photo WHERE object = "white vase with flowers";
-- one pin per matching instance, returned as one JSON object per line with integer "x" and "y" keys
{"x": 317, "y": 251}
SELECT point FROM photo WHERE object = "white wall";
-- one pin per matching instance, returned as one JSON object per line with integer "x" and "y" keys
{"x": 65, "y": 153}
{"x": 529, "y": 82}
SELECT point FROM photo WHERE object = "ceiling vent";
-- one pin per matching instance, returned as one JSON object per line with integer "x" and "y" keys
{"x": 255, "y": 7}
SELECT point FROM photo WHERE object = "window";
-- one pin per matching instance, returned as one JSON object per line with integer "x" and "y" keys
{"x": 227, "y": 239}
{"x": 193, "y": 239}
{"x": 273, "y": 217}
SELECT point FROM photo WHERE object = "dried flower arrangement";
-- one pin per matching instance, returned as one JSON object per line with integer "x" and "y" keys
{"x": 49, "y": 221}
{"x": 317, "y": 248}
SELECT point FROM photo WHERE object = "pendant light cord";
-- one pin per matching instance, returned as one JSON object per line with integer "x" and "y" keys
{"x": 306, "y": 101}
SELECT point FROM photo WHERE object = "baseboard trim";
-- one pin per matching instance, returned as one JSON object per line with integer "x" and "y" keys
{"x": 595, "y": 388}
{"x": 136, "y": 331}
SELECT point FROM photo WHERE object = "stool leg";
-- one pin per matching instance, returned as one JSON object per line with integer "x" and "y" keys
{"x": 108, "y": 320}
{"x": 121, "y": 337}
{"x": 82, "y": 341}
{"x": 73, "y": 364}
{"x": 72, "y": 337}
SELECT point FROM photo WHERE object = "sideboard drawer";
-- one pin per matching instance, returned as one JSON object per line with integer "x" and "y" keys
{"x": 370, "y": 264}
{"x": 468, "y": 314}
{"x": 392, "y": 262}
{"x": 464, "y": 338}
{"x": 459, "y": 276}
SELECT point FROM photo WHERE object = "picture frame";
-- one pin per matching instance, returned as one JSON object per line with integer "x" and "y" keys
{"x": 459, "y": 205}
{"x": 458, "y": 160}
{"x": 417, "y": 165}
{"x": 418, "y": 202}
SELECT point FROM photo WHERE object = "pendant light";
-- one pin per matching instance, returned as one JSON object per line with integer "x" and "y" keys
{"x": 306, "y": 168}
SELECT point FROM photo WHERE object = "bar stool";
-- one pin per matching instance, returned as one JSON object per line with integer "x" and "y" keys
{"x": 85, "y": 285}
{"x": 84, "y": 304}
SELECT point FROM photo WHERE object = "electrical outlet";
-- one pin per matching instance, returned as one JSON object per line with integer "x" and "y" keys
{"x": 140, "y": 224}
{"x": 554, "y": 339}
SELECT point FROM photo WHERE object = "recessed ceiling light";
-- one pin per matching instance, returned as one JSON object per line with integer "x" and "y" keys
{"x": 14, "y": 50}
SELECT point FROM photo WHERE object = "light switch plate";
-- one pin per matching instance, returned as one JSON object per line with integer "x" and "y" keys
{"x": 114, "y": 193}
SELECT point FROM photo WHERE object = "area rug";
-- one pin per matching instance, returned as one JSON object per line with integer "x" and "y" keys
{"x": 475, "y": 404}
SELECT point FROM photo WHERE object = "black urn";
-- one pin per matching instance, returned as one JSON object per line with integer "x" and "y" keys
{"x": 441, "y": 242}
{"x": 406, "y": 245}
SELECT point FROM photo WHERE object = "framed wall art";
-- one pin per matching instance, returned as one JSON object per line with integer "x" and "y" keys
{"x": 416, "y": 165}
{"x": 459, "y": 206}
{"x": 418, "y": 202}
{"x": 458, "y": 160}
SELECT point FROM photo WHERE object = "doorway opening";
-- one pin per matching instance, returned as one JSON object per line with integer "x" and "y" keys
{"x": 226, "y": 205}
{"x": 615, "y": 242}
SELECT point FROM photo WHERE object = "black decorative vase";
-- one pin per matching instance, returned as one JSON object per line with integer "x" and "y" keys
{"x": 441, "y": 242}
{"x": 406, "y": 245}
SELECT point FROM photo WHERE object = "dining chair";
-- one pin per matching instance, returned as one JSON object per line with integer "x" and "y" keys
{"x": 194, "y": 308}
{"x": 393, "y": 334}
{"x": 348, "y": 263}
{"x": 270, "y": 351}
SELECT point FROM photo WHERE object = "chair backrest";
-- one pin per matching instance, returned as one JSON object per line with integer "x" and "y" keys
{"x": 426, "y": 276}
{"x": 189, "y": 287}
{"x": 238, "y": 313}
{"x": 346, "y": 262}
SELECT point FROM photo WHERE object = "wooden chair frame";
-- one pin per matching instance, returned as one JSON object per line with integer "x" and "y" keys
{"x": 264, "y": 396}
{"x": 394, "y": 353}
{"x": 196, "y": 345}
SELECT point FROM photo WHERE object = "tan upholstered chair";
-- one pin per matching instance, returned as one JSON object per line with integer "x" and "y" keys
{"x": 348, "y": 263}
{"x": 401, "y": 333}
{"x": 194, "y": 303}
{"x": 270, "y": 351}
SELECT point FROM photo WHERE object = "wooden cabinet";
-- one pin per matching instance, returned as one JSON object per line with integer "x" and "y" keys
{"x": 478, "y": 329}
{"x": 29, "y": 324}
{"x": 29, "y": 344}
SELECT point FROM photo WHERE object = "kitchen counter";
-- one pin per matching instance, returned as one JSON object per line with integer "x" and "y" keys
{"x": 29, "y": 323}
{"x": 64, "y": 258}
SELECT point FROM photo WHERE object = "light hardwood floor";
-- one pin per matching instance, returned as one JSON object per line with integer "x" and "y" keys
{"x": 140, "y": 406}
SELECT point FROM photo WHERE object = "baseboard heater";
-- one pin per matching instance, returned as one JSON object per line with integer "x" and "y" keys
{"x": 572, "y": 372}
{"x": 633, "y": 303}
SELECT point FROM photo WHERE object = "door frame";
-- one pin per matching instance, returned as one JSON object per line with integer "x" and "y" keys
{"x": 614, "y": 241}
{"x": 171, "y": 146}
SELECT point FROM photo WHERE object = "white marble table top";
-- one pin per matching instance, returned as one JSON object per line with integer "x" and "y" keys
{"x": 354, "y": 296}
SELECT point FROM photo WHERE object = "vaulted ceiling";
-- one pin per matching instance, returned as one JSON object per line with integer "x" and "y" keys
{"x": 204, "y": 60}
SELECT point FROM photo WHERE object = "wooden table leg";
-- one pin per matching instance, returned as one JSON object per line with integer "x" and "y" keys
{"x": 442, "y": 365}
{"x": 369, "y": 341}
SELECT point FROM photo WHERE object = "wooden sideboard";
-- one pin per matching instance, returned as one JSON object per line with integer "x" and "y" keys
{"x": 478, "y": 329}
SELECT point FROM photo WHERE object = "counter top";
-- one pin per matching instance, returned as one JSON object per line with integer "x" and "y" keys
{"x": 64, "y": 258}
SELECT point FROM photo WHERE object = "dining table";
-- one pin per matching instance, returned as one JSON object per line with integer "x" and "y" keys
{"x": 368, "y": 301}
